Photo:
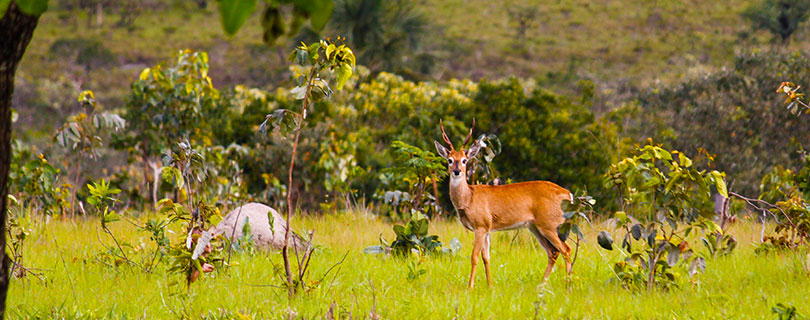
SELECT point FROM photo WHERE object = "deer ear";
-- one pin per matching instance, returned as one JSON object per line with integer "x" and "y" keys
{"x": 472, "y": 151}
{"x": 441, "y": 149}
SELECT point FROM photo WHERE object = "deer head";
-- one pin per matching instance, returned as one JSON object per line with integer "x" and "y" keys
{"x": 457, "y": 159}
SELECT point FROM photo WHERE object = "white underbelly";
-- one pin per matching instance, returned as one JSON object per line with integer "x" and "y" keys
{"x": 518, "y": 225}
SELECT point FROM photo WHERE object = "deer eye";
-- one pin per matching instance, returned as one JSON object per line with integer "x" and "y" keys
{"x": 450, "y": 161}
{"x": 464, "y": 161}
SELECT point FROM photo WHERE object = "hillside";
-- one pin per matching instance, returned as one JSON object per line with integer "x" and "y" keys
{"x": 622, "y": 46}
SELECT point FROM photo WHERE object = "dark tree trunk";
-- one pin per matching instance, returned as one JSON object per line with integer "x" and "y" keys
{"x": 16, "y": 29}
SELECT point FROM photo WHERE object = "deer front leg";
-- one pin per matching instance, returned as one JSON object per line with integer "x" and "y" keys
{"x": 478, "y": 243}
{"x": 485, "y": 257}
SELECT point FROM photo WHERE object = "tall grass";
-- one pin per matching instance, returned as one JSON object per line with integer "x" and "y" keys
{"x": 743, "y": 285}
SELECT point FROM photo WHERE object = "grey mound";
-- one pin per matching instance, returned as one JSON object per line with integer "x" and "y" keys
{"x": 265, "y": 236}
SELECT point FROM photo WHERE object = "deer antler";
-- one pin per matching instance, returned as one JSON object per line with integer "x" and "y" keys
{"x": 444, "y": 135}
{"x": 469, "y": 135}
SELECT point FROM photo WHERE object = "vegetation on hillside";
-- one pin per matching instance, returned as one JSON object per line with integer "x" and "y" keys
{"x": 664, "y": 119}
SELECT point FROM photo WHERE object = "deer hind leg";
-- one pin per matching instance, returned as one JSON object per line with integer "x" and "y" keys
{"x": 485, "y": 257}
{"x": 552, "y": 237}
{"x": 550, "y": 250}
{"x": 478, "y": 244}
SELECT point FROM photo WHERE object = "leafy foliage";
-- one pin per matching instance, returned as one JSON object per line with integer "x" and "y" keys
{"x": 170, "y": 102}
{"x": 663, "y": 192}
{"x": 234, "y": 13}
{"x": 82, "y": 134}
{"x": 575, "y": 214}
{"x": 786, "y": 312}
{"x": 34, "y": 183}
{"x": 384, "y": 33}
{"x": 316, "y": 58}
{"x": 782, "y": 18}
{"x": 566, "y": 143}
{"x": 731, "y": 112}
{"x": 415, "y": 169}
{"x": 789, "y": 192}
{"x": 414, "y": 238}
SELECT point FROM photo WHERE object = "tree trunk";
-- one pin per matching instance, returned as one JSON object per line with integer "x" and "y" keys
{"x": 16, "y": 29}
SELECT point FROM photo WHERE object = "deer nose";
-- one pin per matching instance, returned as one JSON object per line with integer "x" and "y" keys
{"x": 456, "y": 172}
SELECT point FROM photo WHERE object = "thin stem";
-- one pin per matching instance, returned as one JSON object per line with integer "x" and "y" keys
{"x": 284, "y": 250}
{"x": 763, "y": 206}
{"x": 75, "y": 186}
{"x": 233, "y": 232}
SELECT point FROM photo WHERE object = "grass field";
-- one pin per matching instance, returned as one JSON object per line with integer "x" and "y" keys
{"x": 742, "y": 285}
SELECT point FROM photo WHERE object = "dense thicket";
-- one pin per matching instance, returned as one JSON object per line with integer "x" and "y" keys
{"x": 734, "y": 114}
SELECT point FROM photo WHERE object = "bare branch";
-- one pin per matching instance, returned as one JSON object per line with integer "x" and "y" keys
{"x": 763, "y": 206}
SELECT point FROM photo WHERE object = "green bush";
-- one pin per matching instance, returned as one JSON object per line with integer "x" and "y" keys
{"x": 89, "y": 53}
{"x": 734, "y": 113}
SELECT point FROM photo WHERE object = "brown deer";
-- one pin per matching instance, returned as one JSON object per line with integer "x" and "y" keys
{"x": 484, "y": 208}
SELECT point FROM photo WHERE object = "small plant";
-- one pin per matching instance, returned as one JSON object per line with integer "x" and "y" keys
{"x": 414, "y": 269}
{"x": 416, "y": 168}
{"x": 576, "y": 213}
{"x": 413, "y": 238}
{"x": 794, "y": 99}
{"x": 16, "y": 234}
{"x": 791, "y": 210}
{"x": 34, "y": 184}
{"x": 82, "y": 135}
{"x": 102, "y": 198}
{"x": 481, "y": 168}
{"x": 671, "y": 198}
{"x": 195, "y": 254}
{"x": 786, "y": 312}
{"x": 314, "y": 59}
{"x": 782, "y": 18}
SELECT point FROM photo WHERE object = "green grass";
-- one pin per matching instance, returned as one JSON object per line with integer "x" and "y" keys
{"x": 606, "y": 40}
{"x": 743, "y": 285}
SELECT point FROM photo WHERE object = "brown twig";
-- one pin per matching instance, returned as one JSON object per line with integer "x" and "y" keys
{"x": 285, "y": 250}
{"x": 763, "y": 206}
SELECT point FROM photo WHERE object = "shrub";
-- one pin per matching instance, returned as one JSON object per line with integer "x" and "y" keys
{"x": 413, "y": 237}
{"x": 89, "y": 53}
{"x": 667, "y": 195}
{"x": 731, "y": 112}
{"x": 782, "y": 18}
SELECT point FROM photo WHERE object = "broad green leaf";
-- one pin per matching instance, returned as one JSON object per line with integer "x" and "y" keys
{"x": 299, "y": 92}
{"x": 720, "y": 183}
{"x": 399, "y": 230}
{"x": 145, "y": 74}
{"x": 178, "y": 177}
{"x": 563, "y": 230}
{"x": 673, "y": 253}
{"x": 234, "y": 13}
{"x": 329, "y": 50}
{"x": 635, "y": 230}
{"x": 319, "y": 16}
{"x": 685, "y": 161}
{"x": 343, "y": 74}
{"x": 605, "y": 240}
{"x": 32, "y": 7}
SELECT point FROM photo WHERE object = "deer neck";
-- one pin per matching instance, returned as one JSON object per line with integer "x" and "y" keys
{"x": 460, "y": 193}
